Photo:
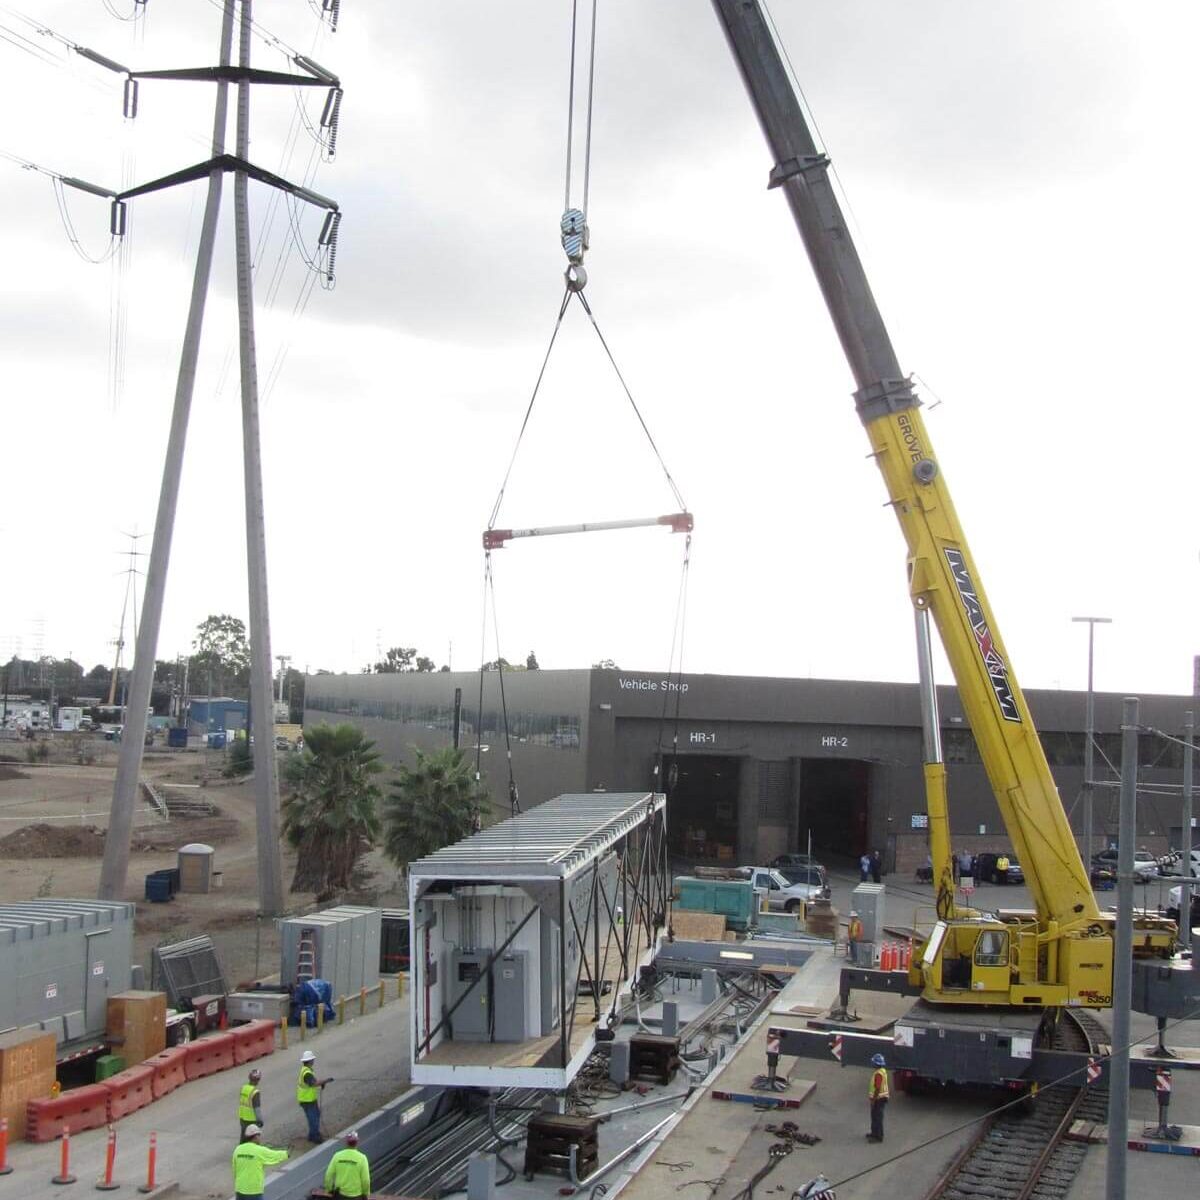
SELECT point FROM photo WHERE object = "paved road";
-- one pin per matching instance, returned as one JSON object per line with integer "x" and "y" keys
{"x": 197, "y": 1124}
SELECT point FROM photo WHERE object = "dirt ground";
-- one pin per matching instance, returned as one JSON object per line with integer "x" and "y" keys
{"x": 52, "y": 821}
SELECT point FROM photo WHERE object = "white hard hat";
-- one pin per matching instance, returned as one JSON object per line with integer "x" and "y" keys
{"x": 308, "y": 1056}
{"x": 252, "y": 1130}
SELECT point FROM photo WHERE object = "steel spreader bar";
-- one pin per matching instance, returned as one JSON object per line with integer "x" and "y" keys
{"x": 680, "y": 522}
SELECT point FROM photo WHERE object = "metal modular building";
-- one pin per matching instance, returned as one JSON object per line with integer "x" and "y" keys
{"x": 60, "y": 960}
{"x": 758, "y": 763}
{"x": 527, "y": 936}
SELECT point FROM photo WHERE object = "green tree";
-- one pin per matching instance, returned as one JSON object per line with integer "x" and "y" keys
{"x": 241, "y": 759}
{"x": 403, "y": 659}
{"x": 222, "y": 658}
{"x": 330, "y": 806}
{"x": 531, "y": 662}
{"x": 433, "y": 803}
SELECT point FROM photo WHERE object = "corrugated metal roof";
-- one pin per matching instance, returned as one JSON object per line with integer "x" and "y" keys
{"x": 58, "y": 915}
{"x": 555, "y": 840}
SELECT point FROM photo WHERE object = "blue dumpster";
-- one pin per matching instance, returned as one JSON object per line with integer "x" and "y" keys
{"x": 177, "y": 737}
{"x": 158, "y": 887}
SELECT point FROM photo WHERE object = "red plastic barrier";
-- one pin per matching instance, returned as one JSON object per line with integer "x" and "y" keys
{"x": 169, "y": 1070}
{"x": 129, "y": 1090}
{"x": 79, "y": 1109}
{"x": 252, "y": 1040}
{"x": 208, "y": 1055}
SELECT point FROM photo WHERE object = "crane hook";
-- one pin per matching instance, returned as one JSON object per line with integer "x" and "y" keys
{"x": 574, "y": 241}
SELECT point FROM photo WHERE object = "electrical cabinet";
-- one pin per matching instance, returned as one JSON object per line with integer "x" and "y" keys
{"x": 472, "y": 1019}
{"x": 508, "y": 996}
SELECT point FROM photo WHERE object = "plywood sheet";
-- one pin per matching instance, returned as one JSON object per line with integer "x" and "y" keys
{"x": 27, "y": 1070}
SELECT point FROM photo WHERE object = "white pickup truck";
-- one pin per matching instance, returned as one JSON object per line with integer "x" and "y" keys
{"x": 788, "y": 897}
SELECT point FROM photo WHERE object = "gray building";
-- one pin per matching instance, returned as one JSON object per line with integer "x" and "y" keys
{"x": 753, "y": 766}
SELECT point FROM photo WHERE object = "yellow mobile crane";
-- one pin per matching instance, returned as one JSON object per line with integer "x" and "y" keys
{"x": 1060, "y": 955}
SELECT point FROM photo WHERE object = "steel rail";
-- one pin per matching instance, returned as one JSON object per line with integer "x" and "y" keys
{"x": 994, "y": 1148}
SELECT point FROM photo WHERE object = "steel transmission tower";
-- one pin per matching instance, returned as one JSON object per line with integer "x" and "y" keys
{"x": 116, "y": 847}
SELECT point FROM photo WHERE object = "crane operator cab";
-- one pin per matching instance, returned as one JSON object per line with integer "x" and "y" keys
{"x": 984, "y": 959}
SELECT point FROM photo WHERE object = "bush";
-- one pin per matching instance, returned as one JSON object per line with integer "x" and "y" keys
{"x": 241, "y": 760}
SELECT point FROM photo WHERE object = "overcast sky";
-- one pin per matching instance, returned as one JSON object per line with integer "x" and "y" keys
{"x": 1021, "y": 181}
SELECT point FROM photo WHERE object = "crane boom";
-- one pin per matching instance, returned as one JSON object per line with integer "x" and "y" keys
{"x": 1067, "y": 952}
{"x": 942, "y": 574}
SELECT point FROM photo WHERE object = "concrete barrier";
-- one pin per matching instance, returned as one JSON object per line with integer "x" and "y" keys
{"x": 382, "y": 1131}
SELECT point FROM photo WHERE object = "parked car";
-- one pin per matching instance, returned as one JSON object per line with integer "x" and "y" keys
{"x": 281, "y": 743}
{"x": 1145, "y": 865}
{"x": 987, "y": 869}
{"x": 782, "y": 894}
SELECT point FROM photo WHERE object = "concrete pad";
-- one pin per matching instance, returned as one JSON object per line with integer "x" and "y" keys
{"x": 1187, "y": 1145}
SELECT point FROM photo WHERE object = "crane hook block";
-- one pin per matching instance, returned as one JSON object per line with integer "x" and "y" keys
{"x": 574, "y": 235}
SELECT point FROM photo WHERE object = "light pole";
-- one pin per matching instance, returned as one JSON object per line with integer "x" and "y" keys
{"x": 1089, "y": 745}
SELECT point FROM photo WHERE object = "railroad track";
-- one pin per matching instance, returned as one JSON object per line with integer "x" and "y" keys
{"x": 435, "y": 1161}
{"x": 1021, "y": 1154}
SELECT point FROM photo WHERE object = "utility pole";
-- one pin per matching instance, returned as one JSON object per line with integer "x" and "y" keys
{"x": 1118, "y": 1069}
{"x": 266, "y": 781}
{"x": 283, "y": 660}
{"x": 1185, "y": 888}
{"x": 1089, "y": 782}
{"x": 115, "y": 868}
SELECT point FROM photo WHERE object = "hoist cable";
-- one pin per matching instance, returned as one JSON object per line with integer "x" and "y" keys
{"x": 587, "y": 150}
{"x": 487, "y": 575}
{"x": 562, "y": 308}
{"x": 587, "y": 308}
{"x": 514, "y": 804}
{"x": 677, "y": 638}
{"x": 489, "y": 589}
{"x": 571, "y": 106}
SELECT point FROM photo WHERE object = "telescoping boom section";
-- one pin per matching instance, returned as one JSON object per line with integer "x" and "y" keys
{"x": 1061, "y": 954}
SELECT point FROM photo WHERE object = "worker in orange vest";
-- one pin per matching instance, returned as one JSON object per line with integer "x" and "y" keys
{"x": 878, "y": 1094}
{"x": 854, "y": 935}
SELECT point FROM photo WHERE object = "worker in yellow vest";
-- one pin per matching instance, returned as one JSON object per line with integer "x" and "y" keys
{"x": 250, "y": 1103}
{"x": 250, "y": 1161}
{"x": 308, "y": 1095}
{"x": 348, "y": 1175}
{"x": 878, "y": 1093}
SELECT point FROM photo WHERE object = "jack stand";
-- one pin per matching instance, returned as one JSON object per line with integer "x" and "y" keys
{"x": 1163, "y": 1130}
{"x": 771, "y": 1081}
{"x": 1161, "y": 1051}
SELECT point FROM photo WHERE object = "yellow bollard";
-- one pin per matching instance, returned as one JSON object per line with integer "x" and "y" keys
{"x": 303, "y": 1022}
{"x": 283, "y": 1032}
{"x": 320, "y": 1017}
{"x": 381, "y": 982}
{"x": 341, "y": 1009}
{"x": 362, "y": 1001}
{"x": 399, "y": 987}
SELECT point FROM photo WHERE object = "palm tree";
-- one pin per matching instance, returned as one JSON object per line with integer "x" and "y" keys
{"x": 330, "y": 811}
{"x": 435, "y": 802}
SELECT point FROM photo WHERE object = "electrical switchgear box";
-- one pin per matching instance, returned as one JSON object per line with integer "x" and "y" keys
{"x": 508, "y": 996}
{"x": 472, "y": 1019}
